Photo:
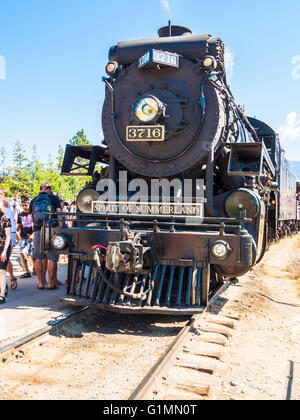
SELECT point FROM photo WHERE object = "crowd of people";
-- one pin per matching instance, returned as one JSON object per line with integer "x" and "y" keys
{"x": 21, "y": 220}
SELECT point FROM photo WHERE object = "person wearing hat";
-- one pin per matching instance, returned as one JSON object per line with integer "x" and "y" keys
{"x": 44, "y": 202}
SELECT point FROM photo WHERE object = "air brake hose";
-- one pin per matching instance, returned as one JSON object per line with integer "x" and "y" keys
{"x": 134, "y": 296}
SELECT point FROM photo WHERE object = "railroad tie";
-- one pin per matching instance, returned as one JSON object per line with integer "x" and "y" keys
{"x": 212, "y": 338}
{"x": 219, "y": 320}
{"x": 177, "y": 395}
{"x": 231, "y": 314}
{"x": 183, "y": 384}
{"x": 214, "y": 328}
{"x": 184, "y": 392}
{"x": 206, "y": 350}
{"x": 194, "y": 388}
{"x": 198, "y": 363}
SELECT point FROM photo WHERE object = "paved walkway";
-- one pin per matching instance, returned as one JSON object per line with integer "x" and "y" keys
{"x": 28, "y": 309}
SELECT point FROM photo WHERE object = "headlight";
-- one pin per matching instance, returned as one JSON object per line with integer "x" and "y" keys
{"x": 147, "y": 109}
{"x": 242, "y": 200}
{"x": 59, "y": 241}
{"x": 220, "y": 250}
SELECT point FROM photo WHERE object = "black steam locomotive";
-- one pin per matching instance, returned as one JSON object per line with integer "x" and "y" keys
{"x": 169, "y": 116}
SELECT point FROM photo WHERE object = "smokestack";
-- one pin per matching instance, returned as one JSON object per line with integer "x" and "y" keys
{"x": 173, "y": 30}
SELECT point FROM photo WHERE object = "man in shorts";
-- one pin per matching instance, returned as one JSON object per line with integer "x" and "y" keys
{"x": 44, "y": 262}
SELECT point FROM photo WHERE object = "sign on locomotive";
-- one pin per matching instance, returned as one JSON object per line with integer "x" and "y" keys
{"x": 169, "y": 116}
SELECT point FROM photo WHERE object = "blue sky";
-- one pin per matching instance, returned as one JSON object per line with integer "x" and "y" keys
{"x": 53, "y": 54}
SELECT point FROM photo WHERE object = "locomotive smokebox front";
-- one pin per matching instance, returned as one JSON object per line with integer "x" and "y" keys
{"x": 160, "y": 116}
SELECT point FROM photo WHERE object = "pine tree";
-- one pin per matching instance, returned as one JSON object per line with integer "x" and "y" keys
{"x": 3, "y": 168}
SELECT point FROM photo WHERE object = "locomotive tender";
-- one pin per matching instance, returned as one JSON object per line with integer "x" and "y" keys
{"x": 169, "y": 115}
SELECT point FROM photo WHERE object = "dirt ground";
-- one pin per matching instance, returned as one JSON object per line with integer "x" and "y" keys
{"x": 262, "y": 360}
{"x": 98, "y": 356}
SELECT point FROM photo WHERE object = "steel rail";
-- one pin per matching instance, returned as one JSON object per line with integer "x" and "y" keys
{"x": 143, "y": 388}
{"x": 42, "y": 331}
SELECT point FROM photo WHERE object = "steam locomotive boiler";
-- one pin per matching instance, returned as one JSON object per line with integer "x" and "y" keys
{"x": 182, "y": 203}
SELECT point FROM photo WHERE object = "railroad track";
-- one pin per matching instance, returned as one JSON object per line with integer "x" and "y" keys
{"x": 184, "y": 370}
{"x": 40, "y": 332}
{"x": 181, "y": 373}
{"x": 46, "y": 330}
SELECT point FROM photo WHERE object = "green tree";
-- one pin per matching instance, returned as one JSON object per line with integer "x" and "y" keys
{"x": 3, "y": 168}
{"x": 17, "y": 179}
{"x": 27, "y": 174}
{"x": 71, "y": 185}
{"x": 80, "y": 139}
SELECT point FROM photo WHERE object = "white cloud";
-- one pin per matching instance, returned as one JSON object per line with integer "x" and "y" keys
{"x": 166, "y": 5}
{"x": 2, "y": 68}
{"x": 296, "y": 68}
{"x": 289, "y": 133}
{"x": 229, "y": 63}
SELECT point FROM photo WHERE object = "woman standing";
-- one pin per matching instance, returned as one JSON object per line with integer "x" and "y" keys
{"x": 5, "y": 248}
{"x": 8, "y": 211}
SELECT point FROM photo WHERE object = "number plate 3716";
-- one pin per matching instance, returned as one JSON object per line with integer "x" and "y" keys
{"x": 145, "y": 133}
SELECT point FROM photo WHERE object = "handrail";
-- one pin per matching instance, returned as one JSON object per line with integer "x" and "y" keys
{"x": 116, "y": 217}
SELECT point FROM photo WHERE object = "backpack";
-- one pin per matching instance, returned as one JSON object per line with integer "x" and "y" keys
{"x": 41, "y": 205}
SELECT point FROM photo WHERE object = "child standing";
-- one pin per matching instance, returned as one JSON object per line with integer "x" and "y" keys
{"x": 25, "y": 235}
